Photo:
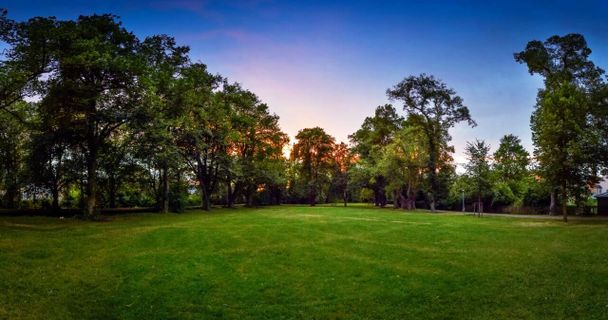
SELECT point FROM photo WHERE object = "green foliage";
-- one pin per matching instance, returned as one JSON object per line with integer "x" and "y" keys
{"x": 133, "y": 122}
{"x": 511, "y": 172}
{"x": 566, "y": 127}
{"x": 511, "y": 160}
{"x": 435, "y": 108}
{"x": 404, "y": 162}
{"x": 314, "y": 150}
{"x": 375, "y": 134}
{"x": 179, "y": 198}
{"x": 14, "y": 137}
{"x": 366, "y": 195}
{"x": 125, "y": 119}
{"x": 478, "y": 168}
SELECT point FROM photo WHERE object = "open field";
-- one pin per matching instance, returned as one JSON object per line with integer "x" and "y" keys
{"x": 303, "y": 262}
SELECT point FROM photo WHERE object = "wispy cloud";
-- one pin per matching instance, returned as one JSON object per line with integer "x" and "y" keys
{"x": 214, "y": 10}
{"x": 202, "y": 8}
{"x": 240, "y": 35}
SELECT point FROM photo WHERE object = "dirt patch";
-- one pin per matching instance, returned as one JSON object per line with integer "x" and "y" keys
{"x": 536, "y": 224}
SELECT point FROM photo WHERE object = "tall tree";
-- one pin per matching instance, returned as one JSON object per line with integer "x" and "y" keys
{"x": 49, "y": 162}
{"x": 93, "y": 88}
{"x": 113, "y": 113}
{"x": 375, "y": 134}
{"x": 436, "y": 108}
{"x": 14, "y": 137}
{"x": 478, "y": 169}
{"x": 511, "y": 158}
{"x": 256, "y": 143}
{"x": 511, "y": 162}
{"x": 116, "y": 165}
{"x": 164, "y": 61}
{"x": 404, "y": 163}
{"x": 566, "y": 137}
{"x": 202, "y": 132}
{"x": 314, "y": 150}
{"x": 343, "y": 160}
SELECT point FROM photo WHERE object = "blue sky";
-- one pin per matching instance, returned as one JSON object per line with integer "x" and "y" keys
{"x": 328, "y": 64}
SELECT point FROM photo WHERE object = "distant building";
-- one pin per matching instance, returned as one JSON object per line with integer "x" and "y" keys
{"x": 600, "y": 188}
{"x": 602, "y": 203}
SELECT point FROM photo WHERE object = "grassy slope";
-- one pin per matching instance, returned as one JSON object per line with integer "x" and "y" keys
{"x": 301, "y": 262}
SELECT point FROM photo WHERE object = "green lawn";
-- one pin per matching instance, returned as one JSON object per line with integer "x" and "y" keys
{"x": 302, "y": 262}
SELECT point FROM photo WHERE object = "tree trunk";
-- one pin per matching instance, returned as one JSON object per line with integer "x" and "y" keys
{"x": 12, "y": 184}
{"x": 433, "y": 169}
{"x": 396, "y": 199}
{"x": 277, "y": 195}
{"x": 91, "y": 187}
{"x": 376, "y": 197}
{"x": 165, "y": 190}
{"x": 553, "y": 204}
{"x": 204, "y": 196}
{"x": 410, "y": 198}
{"x": 312, "y": 197}
{"x": 564, "y": 202}
{"x": 403, "y": 201}
{"x": 55, "y": 194}
{"x": 113, "y": 188}
{"x": 250, "y": 193}
{"x": 12, "y": 189}
{"x": 82, "y": 194}
{"x": 229, "y": 199}
{"x": 10, "y": 196}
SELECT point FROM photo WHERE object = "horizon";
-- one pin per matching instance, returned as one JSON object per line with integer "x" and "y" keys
{"x": 329, "y": 65}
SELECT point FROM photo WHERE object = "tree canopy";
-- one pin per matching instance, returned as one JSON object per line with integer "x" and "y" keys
{"x": 567, "y": 138}
{"x": 435, "y": 108}
{"x": 93, "y": 116}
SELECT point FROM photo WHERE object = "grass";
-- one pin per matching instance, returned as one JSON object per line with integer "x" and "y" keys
{"x": 301, "y": 262}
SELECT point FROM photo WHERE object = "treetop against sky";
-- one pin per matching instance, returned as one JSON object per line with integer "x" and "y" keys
{"x": 329, "y": 64}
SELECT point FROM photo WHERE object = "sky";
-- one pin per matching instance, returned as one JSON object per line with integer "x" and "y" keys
{"x": 329, "y": 63}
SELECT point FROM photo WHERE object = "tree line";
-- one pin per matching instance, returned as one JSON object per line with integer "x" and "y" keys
{"x": 91, "y": 116}
{"x": 98, "y": 117}
{"x": 409, "y": 157}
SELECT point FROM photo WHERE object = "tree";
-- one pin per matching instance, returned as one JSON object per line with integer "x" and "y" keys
{"x": 403, "y": 163}
{"x": 314, "y": 150}
{"x": 113, "y": 115}
{"x": 164, "y": 61}
{"x": 343, "y": 159}
{"x": 436, "y": 108}
{"x": 49, "y": 162}
{"x": 203, "y": 129}
{"x": 375, "y": 134}
{"x": 511, "y": 159}
{"x": 93, "y": 88}
{"x": 14, "y": 137}
{"x": 28, "y": 57}
{"x": 511, "y": 162}
{"x": 567, "y": 139}
{"x": 116, "y": 165}
{"x": 478, "y": 169}
{"x": 256, "y": 144}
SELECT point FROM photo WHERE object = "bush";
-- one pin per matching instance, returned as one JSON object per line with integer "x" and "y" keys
{"x": 179, "y": 198}
{"x": 366, "y": 195}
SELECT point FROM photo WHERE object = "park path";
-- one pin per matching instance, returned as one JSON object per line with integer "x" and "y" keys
{"x": 529, "y": 216}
